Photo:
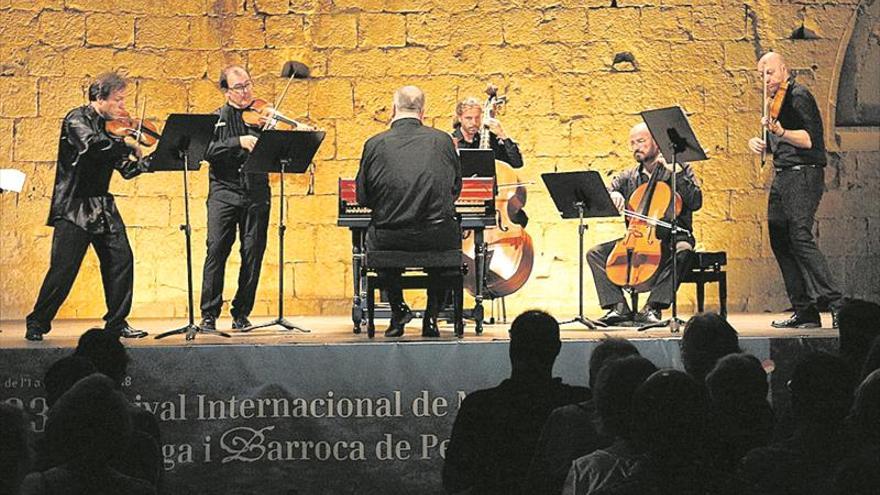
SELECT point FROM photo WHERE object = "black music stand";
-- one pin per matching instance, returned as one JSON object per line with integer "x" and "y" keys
{"x": 580, "y": 195}
{"x": 477, "y": 162}
{"x": 674, "y": 136}
{"x": 282, "y": 152}
{"x": 182, "y": 147}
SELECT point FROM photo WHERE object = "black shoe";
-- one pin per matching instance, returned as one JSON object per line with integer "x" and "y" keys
{"x": 34, "y": 334}
{"x": 241, "y": 323}
{"x": 429, "y": 327}
{"x": 208, "y": 323}
{"x": 649, "y": 315}
{"x": 129, "y": 333}
{"x": 799, "y": 320}
{"x": 399, "y": 319}
{"x": 615, "y": 316}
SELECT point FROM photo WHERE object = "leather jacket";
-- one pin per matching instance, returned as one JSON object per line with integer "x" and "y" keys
{"x": 87, "y": 156}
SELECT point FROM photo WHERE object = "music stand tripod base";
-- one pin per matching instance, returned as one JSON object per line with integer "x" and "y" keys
{"x": 281, "y": 322}
{"x": 191, "y": 330}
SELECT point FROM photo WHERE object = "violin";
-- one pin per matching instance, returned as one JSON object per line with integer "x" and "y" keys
{"x": 770, "y": 111}
{"x": 144, "y": 131}
{"x": 263, "y": 115}
{"x": 635, "y": 258}
{"x": 509, "y": 248}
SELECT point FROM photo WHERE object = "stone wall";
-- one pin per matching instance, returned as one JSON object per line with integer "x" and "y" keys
{"x": 570, "y": 109}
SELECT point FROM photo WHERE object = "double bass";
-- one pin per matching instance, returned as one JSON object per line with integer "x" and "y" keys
{"x": 509, "y": 248}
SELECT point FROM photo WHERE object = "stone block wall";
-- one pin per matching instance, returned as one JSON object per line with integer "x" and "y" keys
{"x": 570, "y": 108}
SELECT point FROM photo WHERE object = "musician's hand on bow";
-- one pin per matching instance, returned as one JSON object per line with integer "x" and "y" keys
{"x": 247, "y": 142}
{"x": 757, "y": 145}
{"x": 618, "y": 200}
{"x": 495, "y": 127}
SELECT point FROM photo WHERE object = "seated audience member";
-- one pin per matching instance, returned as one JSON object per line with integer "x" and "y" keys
{"x": 143, "y": 458}
{"x": 859, "y": 324}
{"x": 59, "y": 378}
{"x": 872, "y": 360}
{"x": 496, "y": 430}
{"x": 570, "y": 432}
{"x": 821, "y": 394}
{"x": 14, "y": 452}
{"x": 707, "y": 338}
{"x": 669, "y": 414}
{"x": 613, "y": 396}
{"x": 741, "y": 417}
{"x": 859, "y": 474}
{"x": 87, "y": 428}
{"x": 64, "y": 373}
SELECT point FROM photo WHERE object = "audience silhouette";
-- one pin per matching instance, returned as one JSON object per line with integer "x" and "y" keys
{"x": 14, "y": 452}
{"x": 496, "y": 430}
{"x": 821, "y": 395}
{"x": 570, "y": 431}
{"x": 87, "y": 428}
{"x": 613, "y": 395}
{"x": 707, "y": 338}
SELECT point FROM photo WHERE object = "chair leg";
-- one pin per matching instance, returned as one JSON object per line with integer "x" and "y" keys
{"x": 371, "y": 308}
{"x": 458, "y": 305}
{"x": 722, "y": 293}
{"x": 701, "y": 296}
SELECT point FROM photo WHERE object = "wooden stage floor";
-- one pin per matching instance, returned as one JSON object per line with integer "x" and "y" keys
{"x": 327, "y": 330}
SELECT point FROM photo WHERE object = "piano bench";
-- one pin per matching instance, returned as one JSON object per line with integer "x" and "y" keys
{"x": 706, "y": 267}
{"x": 416, "y": 261}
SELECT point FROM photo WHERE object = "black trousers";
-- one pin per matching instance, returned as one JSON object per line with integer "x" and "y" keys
{"x": 252, "y": 222}
{"x": 442, "y": 236}
{"x": 791, "y": 212}
{"x": 661, "y": 284}
{"x": 69, "y": 245}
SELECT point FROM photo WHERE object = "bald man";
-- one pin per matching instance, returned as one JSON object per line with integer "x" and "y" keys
{"x": 410, "y": 176}
{"x": 648, "y": 157}
{"x": 798, "y": 145}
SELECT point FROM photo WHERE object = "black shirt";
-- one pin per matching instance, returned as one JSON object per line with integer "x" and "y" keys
{"x": 496, "y": 432}
{"x": 409, "y": 176}
{"x": 799, "y": 112}
{"x": 87, "y": 156}
{"x": 686, "y": 185}
{"x": 506, "y": 151}
{"x": 229, "y": 184}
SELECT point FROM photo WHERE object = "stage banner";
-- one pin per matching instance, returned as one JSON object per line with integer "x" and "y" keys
{"x": 309, "y": 419}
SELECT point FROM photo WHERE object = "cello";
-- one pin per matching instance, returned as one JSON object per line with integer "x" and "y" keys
{"x": 636, "y": 257}
{"x": 509, "y": 248}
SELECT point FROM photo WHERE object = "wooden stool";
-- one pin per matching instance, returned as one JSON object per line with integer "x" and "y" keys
{"x": 420, "y": 261}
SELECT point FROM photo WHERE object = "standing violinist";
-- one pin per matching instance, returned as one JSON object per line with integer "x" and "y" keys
{"x": 468, "y": 125}
{"x": 647, "y": 154}
{"x": 236, "y": 200}
{"x": 83, "y": 212}
{"x": 798, "y": 144}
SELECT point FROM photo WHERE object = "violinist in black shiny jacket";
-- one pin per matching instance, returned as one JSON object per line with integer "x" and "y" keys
{"x": 84, "y": 213}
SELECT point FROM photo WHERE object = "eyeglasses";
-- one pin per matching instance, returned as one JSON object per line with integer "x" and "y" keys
{"x": 243, "y": 87}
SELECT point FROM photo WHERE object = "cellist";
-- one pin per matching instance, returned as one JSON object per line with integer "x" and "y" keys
{"x": 648, "y": 157}
{"x": 795, "y": 136}
{"x": 468, "y": 124}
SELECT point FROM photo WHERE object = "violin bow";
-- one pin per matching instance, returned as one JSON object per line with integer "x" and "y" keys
{"x": 764, "y": 115}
